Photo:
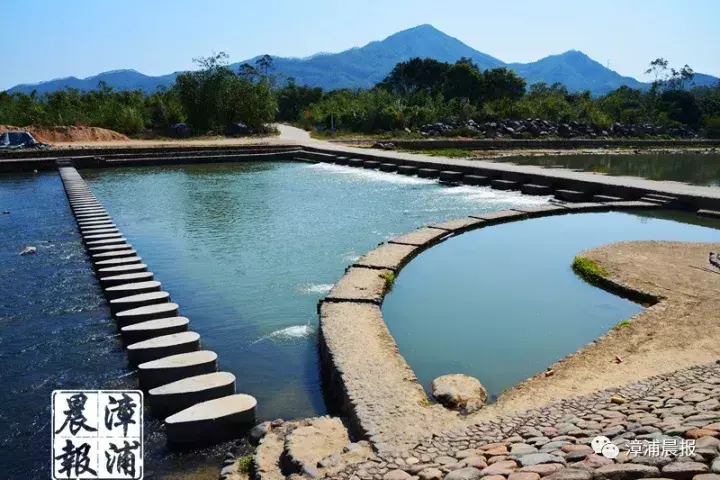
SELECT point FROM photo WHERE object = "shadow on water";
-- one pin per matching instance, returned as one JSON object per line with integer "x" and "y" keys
{"x": 696, "y": 169}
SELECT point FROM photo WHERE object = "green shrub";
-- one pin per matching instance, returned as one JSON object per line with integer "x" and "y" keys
{"x": 711, "y": 125}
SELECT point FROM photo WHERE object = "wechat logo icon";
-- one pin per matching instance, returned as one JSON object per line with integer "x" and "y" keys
{"x": 603, "y": 446}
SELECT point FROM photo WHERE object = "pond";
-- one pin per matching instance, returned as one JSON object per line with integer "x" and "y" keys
{"x": 246, "y": 250}
{"x": 693, "y": 168}
{"x": 501, "y": 303}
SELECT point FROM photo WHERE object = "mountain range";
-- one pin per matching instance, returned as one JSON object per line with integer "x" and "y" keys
{"x": 363, "y": 67}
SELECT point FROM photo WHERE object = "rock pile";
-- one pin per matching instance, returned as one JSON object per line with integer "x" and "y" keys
{"x": 538, "y": 128}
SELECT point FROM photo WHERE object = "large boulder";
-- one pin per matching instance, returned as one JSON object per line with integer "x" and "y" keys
{"x": 459, "y": 391}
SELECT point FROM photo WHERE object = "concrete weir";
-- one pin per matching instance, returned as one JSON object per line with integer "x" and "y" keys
{"x": 365, "y": 375}
{"x": 183, "y": 380}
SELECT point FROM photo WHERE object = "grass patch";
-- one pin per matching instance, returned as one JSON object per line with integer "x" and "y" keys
{"x": 621, "y": 325}
{"x": 245, "y": 464}
{"x": 389, "y": 280}
{"x": 589, "y": 270}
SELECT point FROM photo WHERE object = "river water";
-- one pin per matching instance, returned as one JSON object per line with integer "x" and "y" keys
{"x": 247, "y": 250}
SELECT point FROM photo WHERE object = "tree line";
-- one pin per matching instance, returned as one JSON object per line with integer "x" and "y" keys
{"x": 414, "y": 93}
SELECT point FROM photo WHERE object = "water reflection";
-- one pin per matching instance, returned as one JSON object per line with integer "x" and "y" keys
{"x": 696, "y": 169}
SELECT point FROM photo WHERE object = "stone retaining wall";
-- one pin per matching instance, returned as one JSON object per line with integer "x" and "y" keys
{"x": 499, "y": 144}
{"x": 366, "y": 377}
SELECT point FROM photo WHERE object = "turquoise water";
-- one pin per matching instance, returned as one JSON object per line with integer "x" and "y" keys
{"x": 247, "y": 250}
{"x": 502, "y": 303}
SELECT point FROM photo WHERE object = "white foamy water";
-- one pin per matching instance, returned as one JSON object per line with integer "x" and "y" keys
{"x": 371, "y": 175}
{"x": 489, "y": 195}
{"x": 350, "y": 256}
{"x": 315, "y": 287}
{"x": 289, "y": 333}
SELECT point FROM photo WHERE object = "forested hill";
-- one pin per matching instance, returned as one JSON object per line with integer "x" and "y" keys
{"x": 365, "y": 66}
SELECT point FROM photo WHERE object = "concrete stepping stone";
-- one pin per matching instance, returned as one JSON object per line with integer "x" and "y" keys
{"x": 450, "y": 176}
{"x": 108, "y": 248}
{"x": 176, "y": 367}
{"x": 407, "y": 170}
{"x": 117, "y": 261}
{"x": 139, "y": 332}
{"x": 218, "y": 419}
{"x": 459, "y": 225}
{"x": 371, "y": 164}
{"x": 113, "y": 254}
{"x": 533, "y": 211}
{"x": 420, "y": 237}
{"x": 356, "y": 162}
{"x": 113, "y": 280}
{"x": 138, "y": 300}
{"x": 89, "y": 209}
{"x": 176, "y": 396}
{"x": 534, "y": 189}
{"x": 107, "y": 241}
{"x": 477, "y": 180}
{"x": 127, "y": 289}
{"x": 606, "y": 198}
{"x": 101, "y": 236}
{"x": 572, "y": 195}
{"x": 493, "y": 218}
{"x": 163, "y": 346}
{"x": 90, "y": 223}
{"x": 499, "y": 184}
{"x": 92, "y": 216}
{"x": 85, "y": 205}
{"x": 589, "y": 207}
{"x": 428, "y": 173}
{"x": 342, "y": 160}
{"x": 120, "y": 269}
{"x": 95, "y": 226}
{"x": 388, "y": 167}
{"x": 148, "y": 312}
{"x": 391, "y": 256}
{"x": 360, "y": 284}
{"x": 101, "y": 217}
{"x": 98, "y": 231}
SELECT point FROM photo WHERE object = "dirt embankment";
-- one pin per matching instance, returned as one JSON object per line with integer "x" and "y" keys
{"x": 62, "y": 134}
{"x": 683, "y": 329}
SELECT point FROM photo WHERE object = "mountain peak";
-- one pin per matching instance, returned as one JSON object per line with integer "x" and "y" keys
{"x": 363, "y": 67}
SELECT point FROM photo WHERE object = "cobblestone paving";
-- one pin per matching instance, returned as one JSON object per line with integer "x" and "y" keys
{"x": 555, "y": 441}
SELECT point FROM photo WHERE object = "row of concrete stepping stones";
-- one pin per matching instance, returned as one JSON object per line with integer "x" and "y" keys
{"x": 454, "y": 177}
{"x": 182, "y": 382}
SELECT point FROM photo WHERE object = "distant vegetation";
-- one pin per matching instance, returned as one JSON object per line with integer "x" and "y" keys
{"x": 415, "y": 93}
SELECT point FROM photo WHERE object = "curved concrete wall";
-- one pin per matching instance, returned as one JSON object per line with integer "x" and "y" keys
{"x": 365, "y": 375}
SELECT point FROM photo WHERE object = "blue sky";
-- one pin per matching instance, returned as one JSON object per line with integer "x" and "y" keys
{"x": 50, "y": 38}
